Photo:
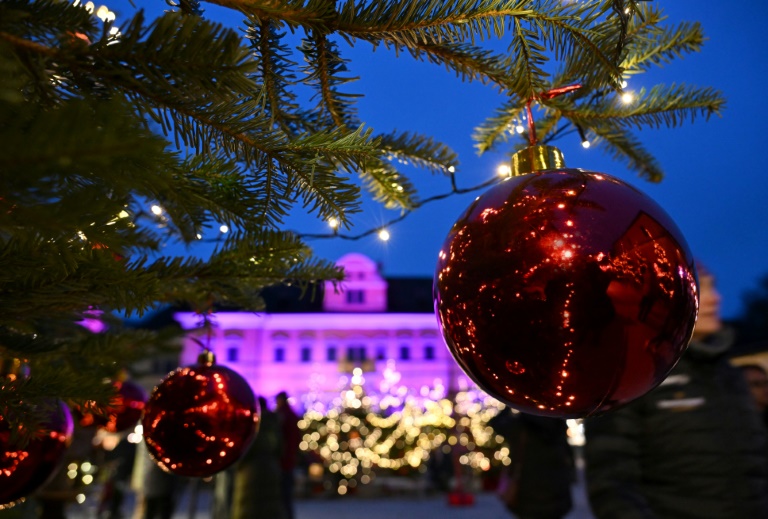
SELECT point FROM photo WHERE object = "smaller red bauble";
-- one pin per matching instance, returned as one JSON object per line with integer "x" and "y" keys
{"x": 123, "y": 412}
{"x": 25, "y": 468}
{"x": 200, "y": 419}
{"x": 126, "y": 407}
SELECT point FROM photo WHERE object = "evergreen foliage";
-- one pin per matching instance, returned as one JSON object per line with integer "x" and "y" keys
{"x": 206, "y": 122}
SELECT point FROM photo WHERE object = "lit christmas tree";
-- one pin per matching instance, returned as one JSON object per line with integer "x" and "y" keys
{"x": 361, "y": 434}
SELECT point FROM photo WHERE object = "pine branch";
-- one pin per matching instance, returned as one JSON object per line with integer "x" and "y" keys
{"x": 667, "y": 46}
{"x": 624, "y": 147}
{"x": 387, "y": 185}
{"x": 423, "y": 152}
{"x": 275, "y": 74}
{"x": 323, "y": 69}
{"x": 468, "y": 62}
{"x": 495, "y": 129}
{"x": 661, "y": 106}
{"x": 317, "y": 15}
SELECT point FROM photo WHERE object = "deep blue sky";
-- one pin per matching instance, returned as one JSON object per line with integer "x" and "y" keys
{"x": 716, "y": 178}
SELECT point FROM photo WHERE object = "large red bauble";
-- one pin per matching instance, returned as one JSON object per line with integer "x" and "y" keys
{"x": 566, "y": 293}
{"x": 25, "y": 468}
{"x": 200, "y": 419}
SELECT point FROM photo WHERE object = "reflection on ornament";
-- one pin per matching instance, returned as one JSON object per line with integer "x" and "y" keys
{"x": 565, "y": 292}
{"x": 200, "y": 419}
{"x": 25, "y": 468}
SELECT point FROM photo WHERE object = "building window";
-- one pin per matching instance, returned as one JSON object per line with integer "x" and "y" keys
{"x": 429, "y": 352}
{"x": 306, "y": 354}
{"x": 381, "y": 353}
{"x": 356, "y": 354}
{"x": 331, "y": 354}
{"x": 405, "y": 353}
{"x": 279, "y": 354}
{"x": 233, "y": 354}
{"x": 355, "y": 296}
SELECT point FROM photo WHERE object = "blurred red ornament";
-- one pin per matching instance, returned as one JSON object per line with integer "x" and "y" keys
{"x": 25, "y": 468}
{"x": 123, "y": 412}
{"x": 200, "y": 419}
{"x": 565, "y": 292}
{"x": 127, "y": 406}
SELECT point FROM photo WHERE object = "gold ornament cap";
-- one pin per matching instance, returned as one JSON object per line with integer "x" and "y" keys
{"x": 206, "y": 358}
{"x": 536, "y": 158}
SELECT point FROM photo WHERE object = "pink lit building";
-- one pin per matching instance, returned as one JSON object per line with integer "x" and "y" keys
{"x": 311, "y": 348}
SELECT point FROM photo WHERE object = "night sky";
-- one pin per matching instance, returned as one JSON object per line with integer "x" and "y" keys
{"x": 716, "y": 180}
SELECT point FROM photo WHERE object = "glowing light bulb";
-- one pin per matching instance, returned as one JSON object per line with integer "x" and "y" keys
{"x": 384, "y": 235}
{"x": 624, "y": 84}
{"x": 224, "y": 229}
{"x": 519, "y": 128}
{"x": 157, "y": 210}
{"x": 102, "y": 12}
{"x": 585, "y": 144}
{"x": 627, "y": 97}
{"x": 503, "y": 170}
{"x": 451, "y": 169}
{"x": 333, "y": 223}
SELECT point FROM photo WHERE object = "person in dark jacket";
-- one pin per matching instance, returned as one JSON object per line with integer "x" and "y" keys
{"x": 291, "y": 438}
{"x": 694, "y": 447}
{"x": 757, "y": 380}
{"x": 542, "y": 467}
{"x": 257, "y": 491}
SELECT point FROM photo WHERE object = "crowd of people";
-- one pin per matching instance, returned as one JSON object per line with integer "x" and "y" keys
{"x": 694, "y": 447}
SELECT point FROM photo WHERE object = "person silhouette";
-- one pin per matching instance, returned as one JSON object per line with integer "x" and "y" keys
{"x": 693, "y": 447}
{"x": 289, "y": 429}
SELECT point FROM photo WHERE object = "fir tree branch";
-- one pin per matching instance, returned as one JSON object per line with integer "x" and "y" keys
{"x": 662, "y": 105}
{"x": 624, "y": 147}
{"x": 324, "y": 65}
{"x": 685, "y": 39}
{"x": 424, "y": 152}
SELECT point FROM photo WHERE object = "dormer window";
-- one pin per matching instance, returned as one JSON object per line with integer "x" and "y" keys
{"x": 355, "y": 296}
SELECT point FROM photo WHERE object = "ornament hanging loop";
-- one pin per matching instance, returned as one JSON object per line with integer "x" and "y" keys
{"x": 538, "y": 157}
{"x": 531, "y": 124}
{"x": 549, "y": 94}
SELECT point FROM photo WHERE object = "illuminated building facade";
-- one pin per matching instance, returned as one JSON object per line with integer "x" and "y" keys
{"x": 311, "y": 348}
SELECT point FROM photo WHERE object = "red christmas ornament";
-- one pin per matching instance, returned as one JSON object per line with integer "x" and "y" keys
{"x": 200, "y": 419}
{"x": 25, "y": 468}
{"x": 127, "y": 406}
{"x": 565, "y": 292}
{"x": 123, "y": 413}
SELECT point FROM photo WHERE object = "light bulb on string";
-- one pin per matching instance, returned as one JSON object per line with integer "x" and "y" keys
{"x": 384, "y": 235}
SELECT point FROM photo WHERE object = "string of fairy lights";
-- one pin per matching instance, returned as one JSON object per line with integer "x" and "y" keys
{"x": 383, "y": 231}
